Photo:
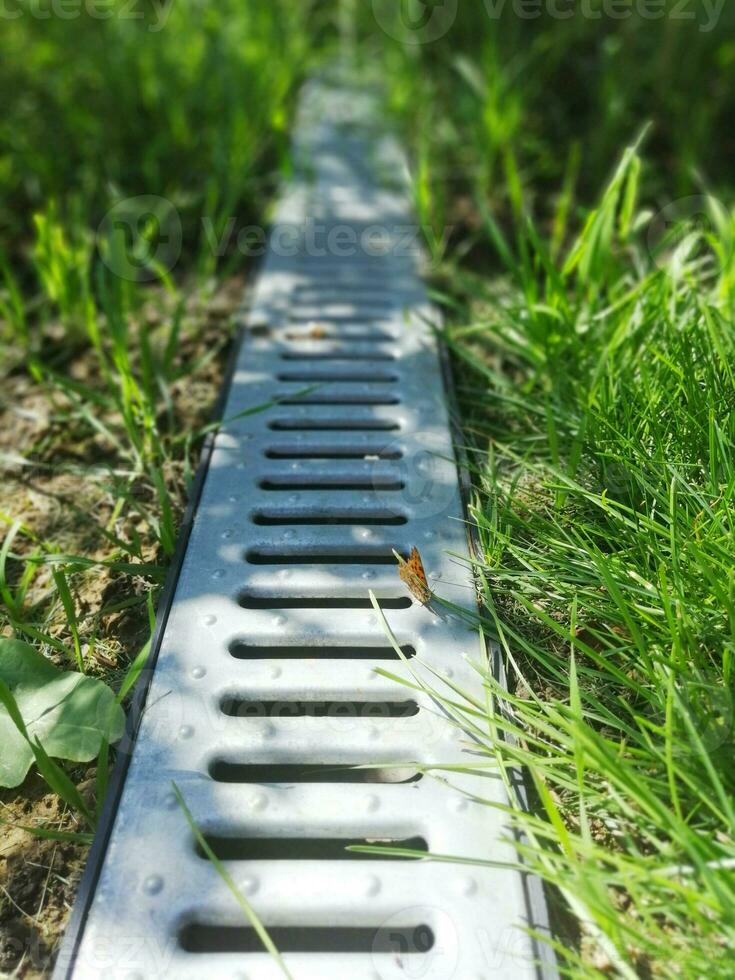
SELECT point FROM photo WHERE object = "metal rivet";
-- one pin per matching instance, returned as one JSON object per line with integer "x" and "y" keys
{"x": 275, "y": 673}
{"x": 466, "y": 885}
{"x": 209, "y": 620}
{"x": 199, "y": 672}
{"x": 186, "y": 731}
{"x": 279, "y": 620}
{"x": 248, "y": 885}
{"x": 372, "y": 886}
{"x": 372, "y": 803}
{"x": 258, "y": 801}
{"x": 368, "y": 575}
{"x": 219, "y": 573}
{"x": 153, "y": 884}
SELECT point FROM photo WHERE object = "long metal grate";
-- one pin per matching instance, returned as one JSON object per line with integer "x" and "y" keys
{"x": 266, "y": 690}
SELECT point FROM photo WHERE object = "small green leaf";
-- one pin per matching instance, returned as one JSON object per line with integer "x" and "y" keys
{"x": 65, "y": 713}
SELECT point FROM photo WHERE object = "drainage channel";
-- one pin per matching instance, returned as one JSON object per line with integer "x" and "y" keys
{"x": 265, "y": 707}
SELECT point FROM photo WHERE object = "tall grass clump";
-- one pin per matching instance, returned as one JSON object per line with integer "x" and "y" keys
{"x": 185, "y": 101}
{"x": 600, "y": 402}
{"x": 128, "y": 143}
{"x": 510, "y": 107}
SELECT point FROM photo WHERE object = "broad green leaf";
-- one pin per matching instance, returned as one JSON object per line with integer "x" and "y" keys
{"x": 67, "y": 713}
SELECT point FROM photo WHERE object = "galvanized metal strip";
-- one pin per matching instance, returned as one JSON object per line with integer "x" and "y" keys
{"x": 266, "y": 681}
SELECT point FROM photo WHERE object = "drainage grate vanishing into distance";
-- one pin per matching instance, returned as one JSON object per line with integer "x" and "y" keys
{"x": 265, "y": 694}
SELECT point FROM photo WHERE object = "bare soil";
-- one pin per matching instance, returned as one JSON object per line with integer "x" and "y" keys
{"x": 54, "y": 477}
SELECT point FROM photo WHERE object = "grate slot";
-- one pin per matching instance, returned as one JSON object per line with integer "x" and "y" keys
{"x": 332, "y": 452}
{"x": 319, "y": 335}
{"x": 374, "y": 377}
{"x": 329, "y": 518}
{"x": 319, "y": 602}
{"x": 242, "y": 650}
{"x": 333, "y": 425}
{"x": 330, "y": 939}
{"x": 335, "y": 356}
{"x": 321, "y": 293}
{"x": 340, "y": 322}
{"x": 235, "y": 707}
{"x": 225, "y": 771}
{"x": 314, "y": 556}
{"x": 342, "y": 399}
{"x": 334, "y": 484}
{"x": 307, "y": 848}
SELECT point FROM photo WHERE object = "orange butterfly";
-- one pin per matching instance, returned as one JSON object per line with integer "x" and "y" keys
{"x": 413, "y": 574}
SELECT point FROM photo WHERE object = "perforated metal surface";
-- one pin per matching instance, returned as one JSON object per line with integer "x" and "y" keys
{"x": 266, "y": 682}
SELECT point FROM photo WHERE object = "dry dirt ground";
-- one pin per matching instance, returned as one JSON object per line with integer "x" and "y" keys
{"x": 50, "y": 480}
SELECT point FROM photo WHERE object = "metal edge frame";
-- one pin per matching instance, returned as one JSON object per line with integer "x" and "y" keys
{"x": 67, "y": 950}
{"x": 534, "y": 888}
{"x": 66, "y": 953}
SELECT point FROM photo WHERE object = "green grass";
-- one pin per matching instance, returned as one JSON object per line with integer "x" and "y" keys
{"x": 595, "y": 353}
{"x": 104, "y": 111}
{"x": 604, "y": 465}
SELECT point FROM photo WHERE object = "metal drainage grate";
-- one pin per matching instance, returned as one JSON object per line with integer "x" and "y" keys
{"x": 265, "y": 691}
